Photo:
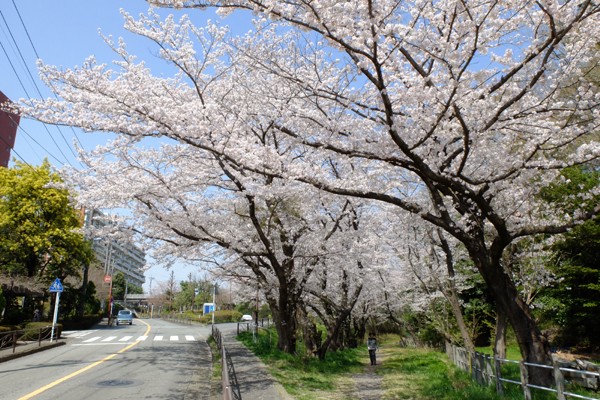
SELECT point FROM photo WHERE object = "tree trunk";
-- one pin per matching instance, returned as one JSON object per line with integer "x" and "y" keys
{"x": 500, "y": 340}
{"x": 460, "y": 321}
{"x": 283, "y": 310}
{"x": 82, "y": 292}
{"x": 534, "y": 348}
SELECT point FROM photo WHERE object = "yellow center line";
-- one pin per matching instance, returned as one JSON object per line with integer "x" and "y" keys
{"x": 86, "y": 368}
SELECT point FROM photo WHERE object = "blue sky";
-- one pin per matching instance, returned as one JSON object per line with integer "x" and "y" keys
{"x": 65, "y": 33}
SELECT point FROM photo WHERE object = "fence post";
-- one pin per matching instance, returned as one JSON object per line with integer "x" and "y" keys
{"x": 498, "y": 372}
{"x": 489, "y": 370}
{"x": 14, "y": 340}
{"x": 559, "y": 380}
{"x": 525, "y": 381}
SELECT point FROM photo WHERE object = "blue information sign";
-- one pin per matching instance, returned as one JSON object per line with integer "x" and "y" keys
{"x": 56, "y": 286}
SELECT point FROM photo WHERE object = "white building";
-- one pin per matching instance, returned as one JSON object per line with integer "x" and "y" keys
{"x": 116, "y": 256}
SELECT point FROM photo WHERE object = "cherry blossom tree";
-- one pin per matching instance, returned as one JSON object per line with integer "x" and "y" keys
{"x": 464, "y": 99}
{"x": 463, "y": 102}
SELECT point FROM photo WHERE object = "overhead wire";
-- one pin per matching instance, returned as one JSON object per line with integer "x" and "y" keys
{"x": 27, "y": 93}
{"x": 38, "y": 58}
{"x": 37, "y": 89}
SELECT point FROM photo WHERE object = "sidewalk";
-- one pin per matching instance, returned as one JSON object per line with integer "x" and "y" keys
{"x": 253, "y": 378}
{"x": 24, "y": 349}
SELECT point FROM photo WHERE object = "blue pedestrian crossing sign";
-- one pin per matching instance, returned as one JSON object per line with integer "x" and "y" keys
{"x": 56, "y": 286}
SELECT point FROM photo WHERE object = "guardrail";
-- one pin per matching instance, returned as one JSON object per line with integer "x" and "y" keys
{"x": 26, "y": 336}
{"x": 231, "y": 388}
{"x": 262, "y": 323}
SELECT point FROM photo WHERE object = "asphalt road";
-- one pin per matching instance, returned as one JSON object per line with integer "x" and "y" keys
{"x": 151, "y": 359}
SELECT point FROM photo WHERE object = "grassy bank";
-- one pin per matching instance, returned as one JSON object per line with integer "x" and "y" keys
{"x": 402, "y": 373}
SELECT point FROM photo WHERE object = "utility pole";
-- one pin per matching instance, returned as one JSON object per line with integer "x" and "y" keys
{"x": 214, "y": 304}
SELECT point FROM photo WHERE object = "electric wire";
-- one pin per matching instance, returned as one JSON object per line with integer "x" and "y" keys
{"x": 16, "y": 152}
{"x": 38, "y": 57}
{"x": 27, "y": 93}
{"x": 29, "y": 71}
{"x": 37, "y": 88}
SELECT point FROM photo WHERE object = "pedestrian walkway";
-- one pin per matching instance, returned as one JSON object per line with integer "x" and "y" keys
{"x": 26, "y": 348}
{"x": 254, "y": 380}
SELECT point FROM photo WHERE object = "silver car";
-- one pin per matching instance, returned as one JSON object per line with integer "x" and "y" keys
{"x": 125, "y": 317}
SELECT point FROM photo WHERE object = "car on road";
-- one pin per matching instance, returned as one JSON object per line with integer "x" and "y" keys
{"x": 246, "y": 318}
{"x": 125, "y": 317}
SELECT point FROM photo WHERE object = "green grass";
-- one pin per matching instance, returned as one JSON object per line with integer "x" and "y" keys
{"x": 304, "y": 377}
{"x": 405, "y": 373}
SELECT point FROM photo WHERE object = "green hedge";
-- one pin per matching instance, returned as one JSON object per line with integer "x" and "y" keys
{"x": 82, "y": 323}
{"x": 221, "y": 316}
{"x": 33, "y": 330}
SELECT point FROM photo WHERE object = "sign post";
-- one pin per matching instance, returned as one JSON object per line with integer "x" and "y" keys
{"x": 57, "y": 288}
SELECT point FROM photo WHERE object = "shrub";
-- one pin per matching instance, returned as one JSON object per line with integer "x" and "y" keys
{"x": 86, "y": 322}
{"x": 33, "y": 330}
{"x": 222, "y": 316}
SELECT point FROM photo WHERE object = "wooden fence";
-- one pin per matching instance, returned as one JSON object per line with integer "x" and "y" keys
{"x": 487, "y": 370}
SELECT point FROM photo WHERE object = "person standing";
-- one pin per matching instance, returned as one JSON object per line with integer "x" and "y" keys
{"x": 372, "y": 346}
{"x": 36, "y": 315}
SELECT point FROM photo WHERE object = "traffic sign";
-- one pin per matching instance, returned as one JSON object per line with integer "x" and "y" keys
{"x": 56, "y": 286}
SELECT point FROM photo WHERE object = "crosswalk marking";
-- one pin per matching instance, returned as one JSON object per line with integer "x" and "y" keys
{"x": 77, "y": 334}
{"x": 129, "y": 338}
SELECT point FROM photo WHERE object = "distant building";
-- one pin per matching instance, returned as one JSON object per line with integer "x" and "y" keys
{"x": 8, "y": 132}
{"x": 116, "y": 256}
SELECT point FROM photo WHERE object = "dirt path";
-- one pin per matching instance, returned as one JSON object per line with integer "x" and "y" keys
{"x": 369, "y": 384}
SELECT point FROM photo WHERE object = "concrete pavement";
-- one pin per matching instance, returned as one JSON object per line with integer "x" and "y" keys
{"x": 254, "y": 380}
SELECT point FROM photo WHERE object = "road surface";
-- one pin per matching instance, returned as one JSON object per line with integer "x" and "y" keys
{"x": 151, "y": 359}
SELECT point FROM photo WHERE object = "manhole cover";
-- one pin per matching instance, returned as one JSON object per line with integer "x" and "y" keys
{"x": 115, "y": 382}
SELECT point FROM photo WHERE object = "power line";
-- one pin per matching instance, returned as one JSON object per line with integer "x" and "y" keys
{"x": 38, "y": 57}
{"x": 38, "y": 91}
{"x": 27, "y": 93}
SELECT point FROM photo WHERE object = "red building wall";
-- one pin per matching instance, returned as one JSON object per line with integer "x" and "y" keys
{"x": 8, "y": 132}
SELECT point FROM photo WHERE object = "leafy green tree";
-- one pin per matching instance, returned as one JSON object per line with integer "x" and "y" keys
{"x": 120, "y": 287}
{"x": 573, "y": 304}
{"x": 193, "y": 293}
{"x": 40, "y": 237}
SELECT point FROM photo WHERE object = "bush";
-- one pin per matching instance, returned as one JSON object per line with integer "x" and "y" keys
{"x": 8, "y": 328}
{"x": 33, "y": 330}
{"x": 222, "y": 316}
{"x": 86, "y": 322}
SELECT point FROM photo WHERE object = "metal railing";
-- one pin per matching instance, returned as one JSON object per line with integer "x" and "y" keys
{"x": 229, "y": 383}
{"x": 26, "y": 336}
{"x": 487, "y": 370}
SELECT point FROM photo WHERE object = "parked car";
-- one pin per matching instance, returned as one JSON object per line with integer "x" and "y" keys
{"x": 125, "y": 317}
{"x": 246, "y": 318}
